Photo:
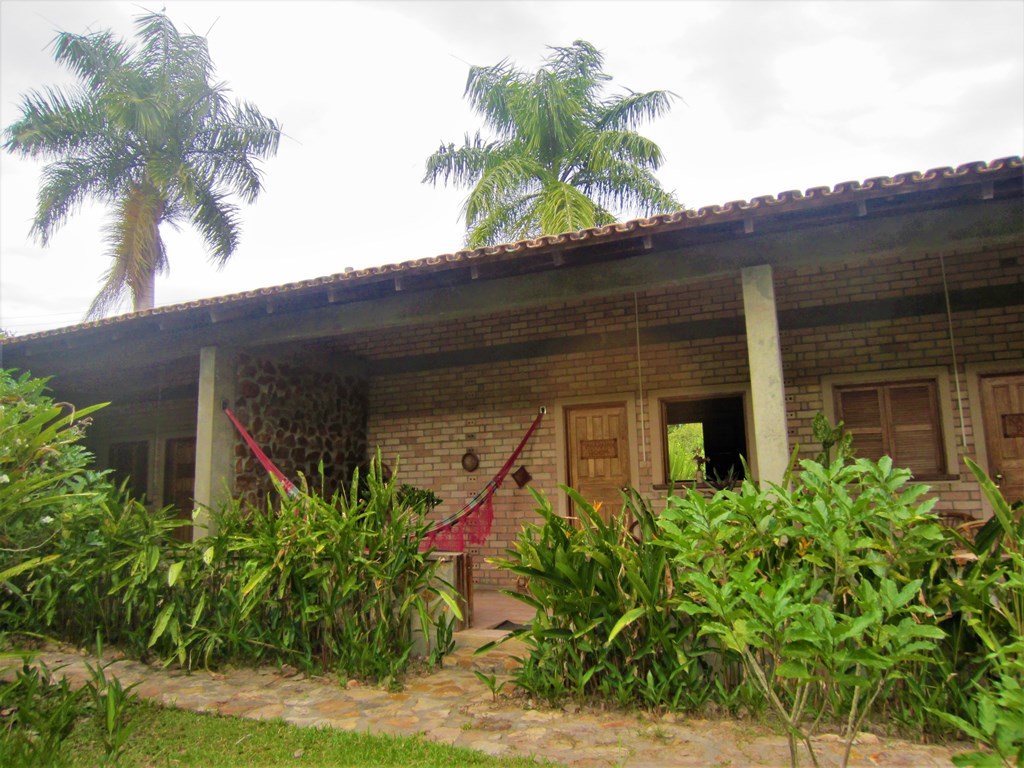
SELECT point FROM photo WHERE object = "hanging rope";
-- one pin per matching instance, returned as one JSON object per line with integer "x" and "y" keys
{"x": 952, "y": 346}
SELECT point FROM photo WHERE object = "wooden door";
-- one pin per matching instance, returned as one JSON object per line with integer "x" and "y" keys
{"x": 179, "y": 480}
{"x": 1003, "y": 408}
{"x": 597, "y": 437}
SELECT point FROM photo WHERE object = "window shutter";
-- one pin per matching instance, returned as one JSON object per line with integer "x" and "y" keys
{"x": 860, "y": 409}
{"x": 915, "y": 427}
{"x": 900, "y": 420}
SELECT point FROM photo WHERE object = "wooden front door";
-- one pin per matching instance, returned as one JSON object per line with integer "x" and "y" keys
{"x": 179, "y": 481}
{"x": 597, "y": 437}
{"x": 1003, "y": 406}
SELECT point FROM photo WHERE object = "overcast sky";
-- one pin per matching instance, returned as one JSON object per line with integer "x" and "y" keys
{"x": 773, "y": 96}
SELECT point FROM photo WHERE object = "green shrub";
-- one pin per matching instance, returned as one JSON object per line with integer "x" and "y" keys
{"x": 321, "y": 583}
{"x": 331, "y": 584}
{"x": 603, "y": 625}
{"x": 810, "y": 596}
{"x": 40, "y": 461}
{"x": 987, "y": 609}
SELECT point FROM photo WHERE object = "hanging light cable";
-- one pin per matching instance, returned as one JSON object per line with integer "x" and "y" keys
{"x": 952, "y": 347}
{"x": 640, "y": 376}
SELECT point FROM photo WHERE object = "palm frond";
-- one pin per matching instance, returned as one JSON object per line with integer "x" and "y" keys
{"x": 549, "y": 118}
{"x": 488, "y": 90}
{"x": 626, "y": 113}
{"x": 625, "y": 187}
{"x": 65, "y": 186}
{"x": 217, "y": 221}
{"x": 564, "y": 208}
{"x": 54, "y": 123}
{"x": 462, "y": 165}
{"x": 596, "y": 149}
{"x": 506, "y": 222}
{"x": 94, "y": 58}
{"x": 581, "y": 67}
{"x": 516, "y": 176}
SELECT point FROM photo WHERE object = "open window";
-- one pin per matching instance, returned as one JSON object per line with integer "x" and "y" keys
{"x": 713, "y": 429}
{"x": 898, "y": 419}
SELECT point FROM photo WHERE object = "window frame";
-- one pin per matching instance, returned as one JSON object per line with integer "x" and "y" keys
{"x": 659, "y": 428}
{"x": 939, "y": 377}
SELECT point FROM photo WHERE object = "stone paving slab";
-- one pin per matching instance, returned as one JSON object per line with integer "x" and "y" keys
{"x": 453, "y": 707}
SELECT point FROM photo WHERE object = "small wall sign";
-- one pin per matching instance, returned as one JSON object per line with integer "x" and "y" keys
{"x": 599, "y": 449}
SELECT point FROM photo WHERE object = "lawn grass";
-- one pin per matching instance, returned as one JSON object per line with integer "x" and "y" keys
{"x": 163, "y": 736}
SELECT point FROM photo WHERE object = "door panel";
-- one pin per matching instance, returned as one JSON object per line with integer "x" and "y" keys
{"x": 179, "y": 480}
{"x": 1003, "y": 408}
{"x": 598, "y": 446}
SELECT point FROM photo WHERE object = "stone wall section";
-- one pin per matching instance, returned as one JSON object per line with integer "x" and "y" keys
{"x": 299, "y": 418}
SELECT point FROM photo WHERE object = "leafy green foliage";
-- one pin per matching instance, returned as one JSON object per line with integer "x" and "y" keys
{"x": 39, "y": 716}
{"x": 330, "y": 584}
{"x": 564, "y": 155}
{"x": 812, "y": 597}
{"x": 149, "y": 132}
{"x": 602, "y": 626}
{"x": 685, "y": 445}
{"x": 40, "y": 710}
{"x": 42, "y": 471}
{"x": 989, "y": 598}
{"x": 320, "y": 583}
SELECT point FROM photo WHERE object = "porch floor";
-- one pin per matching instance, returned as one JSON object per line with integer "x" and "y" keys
{"x": 491, "y": 609}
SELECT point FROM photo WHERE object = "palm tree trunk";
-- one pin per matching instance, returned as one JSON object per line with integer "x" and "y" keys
{"x": 144, "y": 295}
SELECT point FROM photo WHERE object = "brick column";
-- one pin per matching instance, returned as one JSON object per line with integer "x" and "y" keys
{"x": 215, "y": 437}
{"x": 766, "y": 382}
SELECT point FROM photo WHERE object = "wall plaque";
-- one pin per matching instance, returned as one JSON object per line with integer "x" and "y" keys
{"x": 599, "y": 449}
{"x": 1013, "y": 425}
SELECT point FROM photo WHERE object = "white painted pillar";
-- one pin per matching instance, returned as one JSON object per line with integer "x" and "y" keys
{"x": 764, "y": 353}
{"x": 215, "y": 436}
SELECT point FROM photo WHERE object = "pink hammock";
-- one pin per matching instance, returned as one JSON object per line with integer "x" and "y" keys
{"x": 472, "y": 522}
{"x": 288, "y": 485}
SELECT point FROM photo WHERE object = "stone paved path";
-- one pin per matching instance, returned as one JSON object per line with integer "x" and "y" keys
{"x": 453, "y": 706}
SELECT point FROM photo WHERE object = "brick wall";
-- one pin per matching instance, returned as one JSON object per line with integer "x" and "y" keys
{"x": 429, "y": 418}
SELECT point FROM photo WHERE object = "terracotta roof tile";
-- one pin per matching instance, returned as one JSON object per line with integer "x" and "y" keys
{"x": 707, "y": 214}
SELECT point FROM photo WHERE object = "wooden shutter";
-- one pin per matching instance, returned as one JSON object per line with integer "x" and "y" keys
{"x": 863, "y": 412}
{"x": 900, "y": 420}
{"x": 914, "y": 427}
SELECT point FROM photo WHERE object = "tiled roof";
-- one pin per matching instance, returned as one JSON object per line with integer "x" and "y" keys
{"x": 789, "y": 201}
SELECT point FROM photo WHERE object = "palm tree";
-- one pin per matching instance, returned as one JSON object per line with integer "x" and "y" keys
{"x": 148, "y": 133}
{"x": 564, "y": 155}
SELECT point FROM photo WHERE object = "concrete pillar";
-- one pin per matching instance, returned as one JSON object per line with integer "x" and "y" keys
{"x": 768, "y": 392}
{"x": 215, "y": 436}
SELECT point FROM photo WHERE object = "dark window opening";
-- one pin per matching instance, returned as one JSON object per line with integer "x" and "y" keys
{"x": 712, "y": 429}
{"x": 130, "y": 462}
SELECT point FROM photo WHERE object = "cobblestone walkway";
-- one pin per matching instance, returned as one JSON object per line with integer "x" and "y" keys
{"x": 453, "y": 706}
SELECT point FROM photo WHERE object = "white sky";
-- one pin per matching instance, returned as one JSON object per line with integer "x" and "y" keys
{"x": 778, "y": 96}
